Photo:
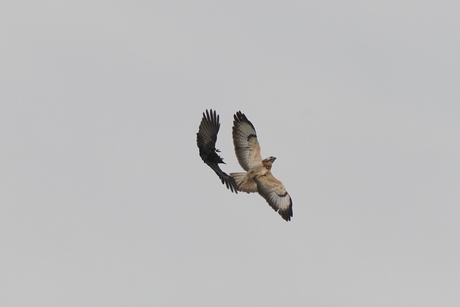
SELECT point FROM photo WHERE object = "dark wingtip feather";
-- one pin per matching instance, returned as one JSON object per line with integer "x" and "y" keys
{"x": 287, "y": 213}
{"x": 239, "y": 117}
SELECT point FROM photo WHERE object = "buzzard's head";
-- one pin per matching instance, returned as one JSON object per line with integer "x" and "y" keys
{"x": 271, "y": 158}
{"x": 267, "y": 163}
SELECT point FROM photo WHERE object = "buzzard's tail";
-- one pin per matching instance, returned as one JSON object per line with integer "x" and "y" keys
{"x": 244, "y": 183}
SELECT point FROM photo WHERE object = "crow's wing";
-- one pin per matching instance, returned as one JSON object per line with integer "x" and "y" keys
{"x": 275, "y": 194}
{"x": 247, "y": 148}
{"x": 206, "y": 140}
{"x": 224, "y": 177}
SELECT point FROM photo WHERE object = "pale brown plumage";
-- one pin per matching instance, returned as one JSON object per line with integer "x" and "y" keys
{"x": 258, "y": 176}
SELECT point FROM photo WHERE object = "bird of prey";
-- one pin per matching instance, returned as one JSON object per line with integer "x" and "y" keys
{"x": 258, "y": 176}
{"x": 206, "y": 140}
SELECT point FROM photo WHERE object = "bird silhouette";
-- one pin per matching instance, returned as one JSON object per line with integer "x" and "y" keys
{"x": 206, "y": 140}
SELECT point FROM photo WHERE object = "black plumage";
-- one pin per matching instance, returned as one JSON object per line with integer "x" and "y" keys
{"x": 206, "y": 140}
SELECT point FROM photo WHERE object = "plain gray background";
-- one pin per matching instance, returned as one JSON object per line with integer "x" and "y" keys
{"x": 105, "y": 201}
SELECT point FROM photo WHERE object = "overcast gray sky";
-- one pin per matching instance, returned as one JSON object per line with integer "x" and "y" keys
{"x": 105, "y": 201}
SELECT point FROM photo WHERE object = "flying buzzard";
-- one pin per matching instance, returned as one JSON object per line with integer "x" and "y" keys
{"x": 206, "y": 140}
{"x": 258, "y": 176}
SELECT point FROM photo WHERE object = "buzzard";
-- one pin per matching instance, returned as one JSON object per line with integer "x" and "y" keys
{"x": 206, "y": 140}
{"x": 258, "y": 176}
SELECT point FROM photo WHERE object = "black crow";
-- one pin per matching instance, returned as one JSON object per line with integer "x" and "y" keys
{"x": 206, "y": 140}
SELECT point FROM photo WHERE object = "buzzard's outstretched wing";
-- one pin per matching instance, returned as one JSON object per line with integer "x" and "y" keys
{"x": 275, "y": 194}
{"x": 206, "y": 140}
{"x": 247, "y": 147}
